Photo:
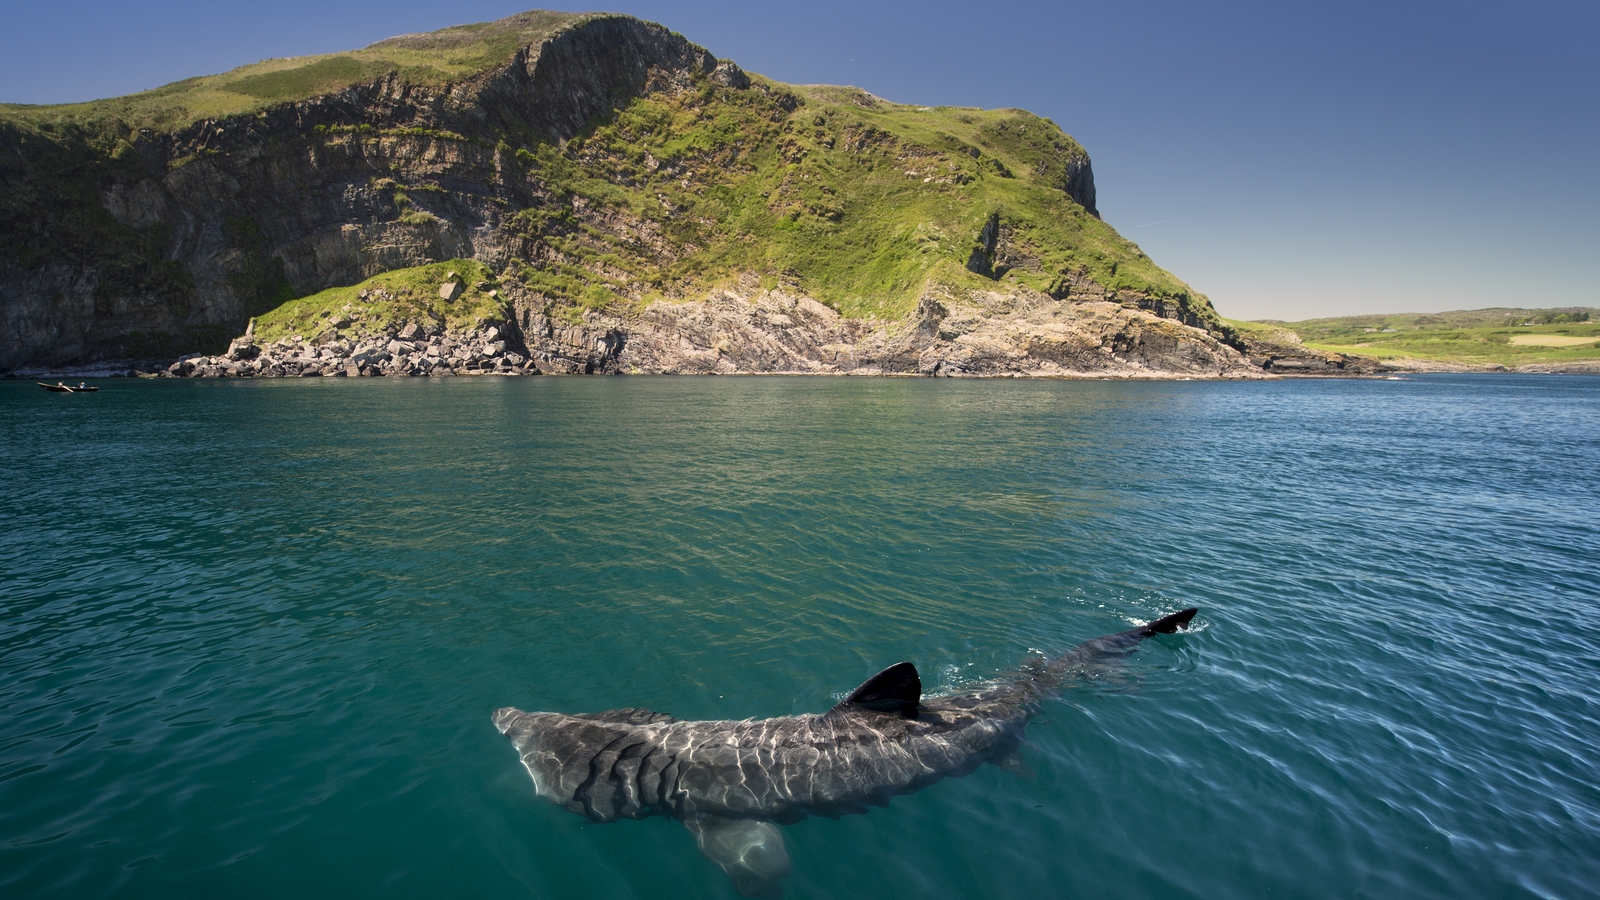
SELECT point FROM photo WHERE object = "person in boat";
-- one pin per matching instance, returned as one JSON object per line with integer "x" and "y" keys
{"x": 82, "y": 385}
{"x": 61, "y": 385}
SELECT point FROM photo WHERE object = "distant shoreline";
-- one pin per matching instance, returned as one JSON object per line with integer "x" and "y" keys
{"x": 1423, "y": 367}
{"x": 1500, "y": 339}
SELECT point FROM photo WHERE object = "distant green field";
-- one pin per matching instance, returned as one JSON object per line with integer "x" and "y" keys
{"x": 1502, "y": 336}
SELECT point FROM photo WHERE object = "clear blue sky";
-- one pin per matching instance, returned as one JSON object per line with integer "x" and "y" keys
{"x": 1288, "y": 159}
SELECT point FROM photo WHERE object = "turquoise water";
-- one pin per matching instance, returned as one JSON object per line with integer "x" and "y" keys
{"x": 251, "y": 632}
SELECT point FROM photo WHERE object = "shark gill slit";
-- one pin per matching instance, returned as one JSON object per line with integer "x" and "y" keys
{"x": 585, "y": 791}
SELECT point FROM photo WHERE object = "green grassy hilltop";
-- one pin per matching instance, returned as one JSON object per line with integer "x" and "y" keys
{"x": 436, "y": 59}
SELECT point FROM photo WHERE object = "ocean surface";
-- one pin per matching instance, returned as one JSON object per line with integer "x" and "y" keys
{"x": 251, "y": 632}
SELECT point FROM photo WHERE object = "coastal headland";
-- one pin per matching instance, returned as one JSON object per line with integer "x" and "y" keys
{"x": 624, "y": 201}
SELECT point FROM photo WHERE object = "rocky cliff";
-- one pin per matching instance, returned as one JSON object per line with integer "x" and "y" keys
{"x": 644, "y": 206}
{"x": 743, "y": 329}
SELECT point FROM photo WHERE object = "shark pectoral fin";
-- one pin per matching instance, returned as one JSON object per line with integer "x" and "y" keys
{"x": 751, "y": 851}
{"x": 1013, "y": 763}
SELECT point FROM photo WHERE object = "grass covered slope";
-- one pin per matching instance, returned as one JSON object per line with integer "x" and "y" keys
{"x": 435, "y": 59}
{"x": 1500, "y": 336}
{"x": 852, "y": 199}
{"x": 403, "y": 295}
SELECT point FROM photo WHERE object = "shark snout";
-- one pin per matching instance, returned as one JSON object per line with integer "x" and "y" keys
{"x": 505, "y": 716}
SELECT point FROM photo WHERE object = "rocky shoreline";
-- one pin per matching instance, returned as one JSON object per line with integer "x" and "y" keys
{"x": 746, "y": 329}
{"x": 412, "y": 350}
{"x": 749, "y": 330}
{"x": 221, "y": 367}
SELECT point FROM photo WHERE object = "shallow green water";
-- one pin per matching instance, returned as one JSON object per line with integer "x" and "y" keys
{"x": 251, "y": 632}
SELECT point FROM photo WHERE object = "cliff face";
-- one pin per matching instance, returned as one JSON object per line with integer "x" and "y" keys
{"x": 197, "y": 230}
{"x": 388, "y": 328}
{"x": 627, "y": 182}
{"x": 745, "y": 329}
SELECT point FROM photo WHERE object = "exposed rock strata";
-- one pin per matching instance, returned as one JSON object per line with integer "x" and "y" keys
{"x": 750, "y": 330}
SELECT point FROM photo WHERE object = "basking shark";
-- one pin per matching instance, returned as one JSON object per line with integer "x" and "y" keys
{"x": 733, "y": 782}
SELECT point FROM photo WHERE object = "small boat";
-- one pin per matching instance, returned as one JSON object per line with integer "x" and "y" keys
{"x": 60, "y": 388}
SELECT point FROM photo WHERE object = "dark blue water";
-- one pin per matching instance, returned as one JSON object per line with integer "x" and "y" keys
{"x": 251, "y": 632}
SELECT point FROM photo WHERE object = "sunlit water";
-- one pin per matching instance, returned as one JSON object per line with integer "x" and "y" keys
{"x": 251, "y": 632}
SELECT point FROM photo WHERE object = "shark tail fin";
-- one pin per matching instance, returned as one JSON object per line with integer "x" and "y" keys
{"x": 751, "y": 851}
{"x": 1113, "y": 647}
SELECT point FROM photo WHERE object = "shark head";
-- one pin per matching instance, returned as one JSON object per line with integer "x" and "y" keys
{"x": 561, "y": 752}
{"x": 541, "y": 740}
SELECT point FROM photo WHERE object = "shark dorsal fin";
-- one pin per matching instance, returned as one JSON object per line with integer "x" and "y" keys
{"x": 897, "y": 689}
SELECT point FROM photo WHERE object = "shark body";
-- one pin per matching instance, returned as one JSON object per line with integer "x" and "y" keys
{"x": 732, "y": 782}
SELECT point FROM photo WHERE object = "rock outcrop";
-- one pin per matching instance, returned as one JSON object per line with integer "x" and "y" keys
{"x": 411, "y": 350}
{"x": 984, "y": 334}
{"x": 1279, "y": 351}
{"x": 749, "y": 330}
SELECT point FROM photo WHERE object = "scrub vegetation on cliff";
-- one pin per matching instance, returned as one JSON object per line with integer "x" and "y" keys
{"x": 403, "y": 295}
{"x": 855, "y": 200}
